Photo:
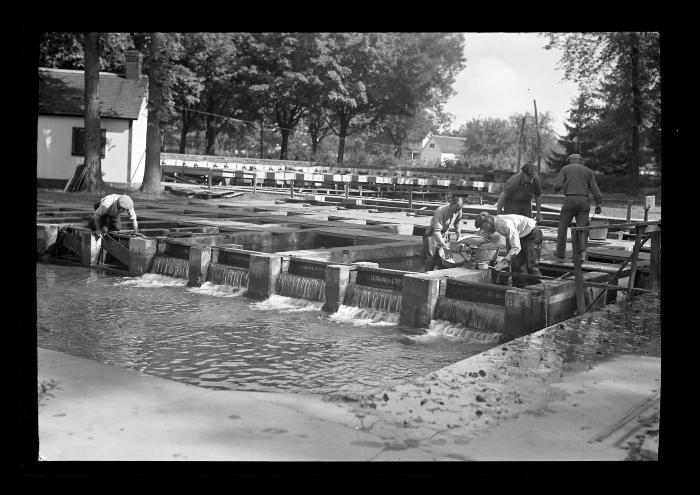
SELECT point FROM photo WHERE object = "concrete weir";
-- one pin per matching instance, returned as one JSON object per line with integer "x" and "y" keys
{"x": 549, "y": 386}
{"x": 333, "y": 261}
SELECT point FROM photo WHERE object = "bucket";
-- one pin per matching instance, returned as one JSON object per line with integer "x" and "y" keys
{"x": 601, "y": 233}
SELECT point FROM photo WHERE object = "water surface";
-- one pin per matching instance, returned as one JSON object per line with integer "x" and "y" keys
{"x": 215, "y": 337}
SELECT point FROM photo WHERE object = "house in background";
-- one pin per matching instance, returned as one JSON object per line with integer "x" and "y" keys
{"x": 436, "y": 150}
{"x": 61, "y": 125}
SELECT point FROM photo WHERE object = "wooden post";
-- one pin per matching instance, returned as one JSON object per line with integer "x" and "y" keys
{"x": 347, "y": 190}
{"x": 537, "y": 128}
{"x": 209, "y": 174}
{"x": 629, "y": 211}
{"x": 291, "y": 188}
{"x": 360, "y": 187}
{"x": 578, "y": 273}
{"x": 655, "y": 261}
{"x": 520, "y": 143}
{"x": 639, "y": 234}
{"x": 255, "y": 182}
{"x": 410, "y": 197}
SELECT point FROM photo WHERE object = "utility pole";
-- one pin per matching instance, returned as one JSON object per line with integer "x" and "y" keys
{"x": 537, "y": 127}
{"x": 261, "y": 137}
{"x": 520, "y": 143}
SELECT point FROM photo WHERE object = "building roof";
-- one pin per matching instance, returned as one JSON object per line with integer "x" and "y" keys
{"x": 62, "y": 92}
{"x": 450, "y": 144}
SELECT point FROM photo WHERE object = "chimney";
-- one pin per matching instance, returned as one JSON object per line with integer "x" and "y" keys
{"x": 132, "y": 64}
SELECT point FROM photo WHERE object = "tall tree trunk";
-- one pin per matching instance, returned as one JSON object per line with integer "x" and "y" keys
{"x": 93, "y": 137}
{"x": 211, "y": 131}
{"x": 342, "y": 133}
{"x": 186, "y": 125}
{"x": 314, "y": 142}
{"x": 285, "y": 142}
{"x": 635, "y": 158}
{"x": 152, "y": 172}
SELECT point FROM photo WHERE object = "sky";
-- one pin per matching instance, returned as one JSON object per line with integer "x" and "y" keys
{"x": 504, "y": 73}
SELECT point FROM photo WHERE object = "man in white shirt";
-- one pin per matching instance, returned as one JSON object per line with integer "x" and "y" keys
{"x": 434, "y": 237}
{"x": 523, "y": 239}
{"x": 107, "y": 213}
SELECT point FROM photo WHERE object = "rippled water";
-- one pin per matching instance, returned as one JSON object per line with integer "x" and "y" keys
{"x": 214, "y": 337}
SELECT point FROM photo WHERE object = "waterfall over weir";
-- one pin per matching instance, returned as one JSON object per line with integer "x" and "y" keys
{"x": 479, "y": 316}
{"x": 170, "y": 266}
{"x": 228, "y": 275}
{"x": 373, "y": 298}
{"x": 312, "y": 289}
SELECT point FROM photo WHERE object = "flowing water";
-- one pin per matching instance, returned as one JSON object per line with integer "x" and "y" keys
{"x": 214, "y": 337}
{"x": 228, "y": 275}
{"x": 372, "y": 298}
{"x": 170, "y": 266}
{"x": 297, "y": 286}
{"x": 478, "y": 316}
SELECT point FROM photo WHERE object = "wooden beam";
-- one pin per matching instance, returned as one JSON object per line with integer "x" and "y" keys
{"x": 635, "y": 255}
{"x": 578, "y": 273}
{"x": 655, "y": 265}
{"x": 613, "y": 287}
{"x": 617, "y": 225}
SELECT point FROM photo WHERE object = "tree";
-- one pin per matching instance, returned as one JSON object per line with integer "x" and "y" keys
{"x": 93, "y": 136}
{"x": 152, "y": 172}
{"x": 367, "y": 76}
{"x": 624, "y": 68}
{"x": 65, "y": 50}
{"x": 580, "y": 133}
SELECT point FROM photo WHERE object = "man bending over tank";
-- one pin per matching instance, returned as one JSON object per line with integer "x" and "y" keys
{"x": 523, "y": 239}
{"x": 107, "y": 213}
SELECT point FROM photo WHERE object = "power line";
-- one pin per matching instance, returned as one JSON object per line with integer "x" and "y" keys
{"x": 276, "y": 127}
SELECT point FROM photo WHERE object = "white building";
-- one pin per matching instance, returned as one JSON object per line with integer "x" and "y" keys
{"x": 437, "y": 150}
{"x": 61, "y": 124}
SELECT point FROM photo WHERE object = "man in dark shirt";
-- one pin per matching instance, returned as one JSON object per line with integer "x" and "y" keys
{"x": 575, "y": 181}
{"x": 516, "y": 197}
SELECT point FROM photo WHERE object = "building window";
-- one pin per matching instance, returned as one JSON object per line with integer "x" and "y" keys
{"x": 432, "y": 145}
{"x": 78, "y": 147}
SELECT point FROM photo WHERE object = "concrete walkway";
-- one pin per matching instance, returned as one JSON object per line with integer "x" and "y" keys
{"x": 586, "y": 389}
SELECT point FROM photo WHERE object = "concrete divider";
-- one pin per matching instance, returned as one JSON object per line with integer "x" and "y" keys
{"x": 46, "y": 235}
{"x": 337, "y": 280}
{"x": 141, "y": 253}
{"x": 419, "y": 297}
{"x": 262, "y": 274}
{"x": 200, "y": 258}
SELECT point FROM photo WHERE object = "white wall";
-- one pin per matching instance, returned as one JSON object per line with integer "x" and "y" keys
{"x": 54, "y": 142}
{"x": 431, "y": 156}
{"x": 138, "y": 145}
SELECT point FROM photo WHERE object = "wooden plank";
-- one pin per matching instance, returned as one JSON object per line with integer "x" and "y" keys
{"x": 655, "y": 264}
{"x": 578, "y": 274}
{"x": 617, "y": 225}
{"x": 635, "y": 255}
{"x": 613, "y": 287}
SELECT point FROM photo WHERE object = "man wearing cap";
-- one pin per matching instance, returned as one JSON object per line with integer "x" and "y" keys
{"x": 434, "y": 237}
{"x": 516, "y": 197}
{"x": 107, "y": 210}
{"x": 523, "y": 240}
{"x": 575, "y": 181}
